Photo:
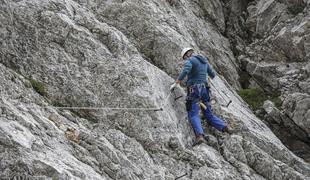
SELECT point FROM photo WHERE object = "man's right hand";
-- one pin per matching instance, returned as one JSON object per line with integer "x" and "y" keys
{"x": 174, "y": 85}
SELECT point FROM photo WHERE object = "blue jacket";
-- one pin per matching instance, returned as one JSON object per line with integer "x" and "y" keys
{"x": 197, "y": 70}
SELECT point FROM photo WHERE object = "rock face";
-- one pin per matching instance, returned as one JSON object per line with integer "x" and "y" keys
{"x": 286, "y": 128}
{"x": 272, "y": 44}
{"x": 57, "y": 56}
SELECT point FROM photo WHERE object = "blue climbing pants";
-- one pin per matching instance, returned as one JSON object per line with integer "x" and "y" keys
{"x": 196, "y": 94}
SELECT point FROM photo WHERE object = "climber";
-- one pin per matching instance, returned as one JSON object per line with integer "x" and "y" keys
{"x": 197, "y": 69}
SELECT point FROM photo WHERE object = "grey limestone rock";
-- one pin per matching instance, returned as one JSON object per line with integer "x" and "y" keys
{"x": 273, "y": 50}
{"x": 297, "y": 106}
{"x": 69, "y": 69}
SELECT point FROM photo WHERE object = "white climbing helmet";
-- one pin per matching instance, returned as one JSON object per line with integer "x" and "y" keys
{"x": 185, "y": 50}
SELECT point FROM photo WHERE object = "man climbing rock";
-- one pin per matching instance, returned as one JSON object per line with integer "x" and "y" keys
{"x": 197, "y": 70}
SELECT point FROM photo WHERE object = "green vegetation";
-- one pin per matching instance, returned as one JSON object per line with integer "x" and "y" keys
{"x": 256, "y": 97}
{"x": 38, "y": 87}
{"x": 277, "y": 101}
{"x": 244, "y": 79}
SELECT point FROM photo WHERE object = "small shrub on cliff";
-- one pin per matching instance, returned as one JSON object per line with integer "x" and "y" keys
{"x": 256, "y": 97}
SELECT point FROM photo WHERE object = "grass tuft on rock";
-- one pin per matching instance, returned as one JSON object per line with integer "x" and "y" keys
{"x": 277, "y": 101}
{"x": 38, "y": 87}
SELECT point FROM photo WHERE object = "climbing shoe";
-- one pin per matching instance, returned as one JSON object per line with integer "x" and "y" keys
{"x": 228, "y": 130}
{"x": 201, "y": 138}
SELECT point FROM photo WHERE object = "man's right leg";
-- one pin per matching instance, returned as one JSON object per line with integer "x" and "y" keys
{"x": 215, "y": 121}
